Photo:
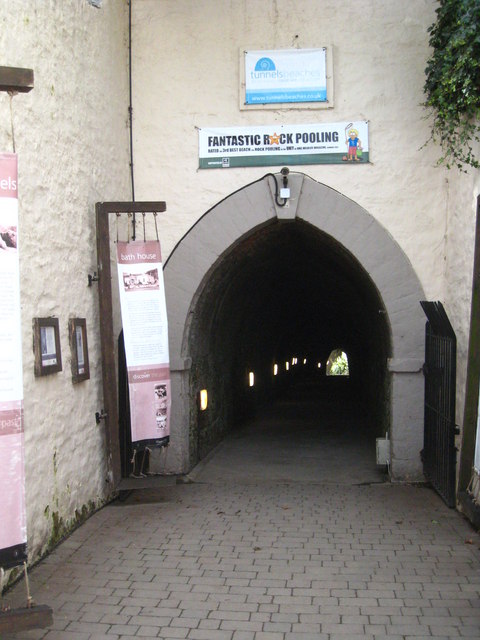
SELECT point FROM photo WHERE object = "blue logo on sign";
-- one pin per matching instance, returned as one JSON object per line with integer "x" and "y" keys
{"x": 265, "y": 64}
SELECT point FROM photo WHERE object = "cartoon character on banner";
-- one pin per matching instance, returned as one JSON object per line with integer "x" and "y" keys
{"x": 354, "y": 146}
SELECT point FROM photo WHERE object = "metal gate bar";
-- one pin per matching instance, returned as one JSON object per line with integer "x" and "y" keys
{"x": 439, "y": 452}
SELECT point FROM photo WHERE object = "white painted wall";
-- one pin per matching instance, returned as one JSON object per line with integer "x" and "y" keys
{"x": 186, "y": 75}
{"x": 71, "y": 138}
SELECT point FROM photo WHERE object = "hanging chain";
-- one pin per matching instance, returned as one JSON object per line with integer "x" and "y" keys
{"x": 131, "y": 216}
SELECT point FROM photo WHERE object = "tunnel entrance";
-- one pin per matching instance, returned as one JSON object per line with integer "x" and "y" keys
{"x": 286, "y": 295}
{"x": 253, "y": 287}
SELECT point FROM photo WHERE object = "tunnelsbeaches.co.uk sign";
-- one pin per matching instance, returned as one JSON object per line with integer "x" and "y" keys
{"x": 296, "y": 75}
{"x": 333, "y": 143}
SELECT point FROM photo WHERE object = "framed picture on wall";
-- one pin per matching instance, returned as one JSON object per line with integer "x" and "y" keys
{"x": 77, "y": 330}
{"x": 46, "y": 346}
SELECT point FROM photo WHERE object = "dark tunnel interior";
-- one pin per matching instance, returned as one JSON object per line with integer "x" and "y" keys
{"x": 287, "y": 290}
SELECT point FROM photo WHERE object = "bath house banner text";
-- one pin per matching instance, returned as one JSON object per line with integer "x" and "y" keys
{"x": 334, "y": 143}
{"x": 145, "y": 332}
{"x": 13, "y": 526}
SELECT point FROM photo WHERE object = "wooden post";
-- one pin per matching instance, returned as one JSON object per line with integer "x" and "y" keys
{"x": 467, "y": 452}
{"x": 110, "y": 400}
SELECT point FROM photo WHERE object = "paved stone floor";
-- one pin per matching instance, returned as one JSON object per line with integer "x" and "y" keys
{"x": 290, "y": 555}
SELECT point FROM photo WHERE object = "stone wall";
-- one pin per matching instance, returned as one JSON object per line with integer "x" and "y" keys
{"x": 71, "y": 137}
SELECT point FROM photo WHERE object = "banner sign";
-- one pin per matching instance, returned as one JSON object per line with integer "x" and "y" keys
{"x": 13, "y": 526}
{"x": 292, "y": 75}
{"x": 145, "y": 331}
{"x": 336, "y": 143}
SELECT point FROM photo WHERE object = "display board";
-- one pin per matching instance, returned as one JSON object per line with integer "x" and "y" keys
{"x": 13, "y": 530}
{"x": 145, "y": 330}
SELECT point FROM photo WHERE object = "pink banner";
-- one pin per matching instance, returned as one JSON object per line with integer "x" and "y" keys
{"x": 8, "y": 175}
{"x": 145, "y": 331}
{"x": 13, "y": 530}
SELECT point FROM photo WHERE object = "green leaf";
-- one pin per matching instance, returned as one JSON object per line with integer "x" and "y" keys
{"x": 452, "y": 85}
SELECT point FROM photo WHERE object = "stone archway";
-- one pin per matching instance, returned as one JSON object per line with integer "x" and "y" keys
{"x": 192, "y": 263}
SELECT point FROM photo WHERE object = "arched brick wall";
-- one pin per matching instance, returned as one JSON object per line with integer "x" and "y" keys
{"x": 360, "y": 234}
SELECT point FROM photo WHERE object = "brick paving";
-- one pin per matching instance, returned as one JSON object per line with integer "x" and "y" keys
{"x": 265, "y": 561}
{"x": 275, "y": 539}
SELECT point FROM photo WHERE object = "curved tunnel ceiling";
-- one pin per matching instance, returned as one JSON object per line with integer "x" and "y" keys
{"x": 289, "y": 289}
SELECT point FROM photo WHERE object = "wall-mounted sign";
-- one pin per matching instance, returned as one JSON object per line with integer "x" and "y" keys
{"x": 77, "y": 331}
{"x": 46, "y": 346}
{"x": 334, "y": 143}
{"x": 290, "y": 75}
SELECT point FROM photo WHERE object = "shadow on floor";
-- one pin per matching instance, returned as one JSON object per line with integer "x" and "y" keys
{"x": 310, "y": 435}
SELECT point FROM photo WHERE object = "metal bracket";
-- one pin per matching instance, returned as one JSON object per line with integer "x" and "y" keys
{"x": 16, "y": 80}
{"x": 100, "y": 415}
{"x": 93, "y": 278}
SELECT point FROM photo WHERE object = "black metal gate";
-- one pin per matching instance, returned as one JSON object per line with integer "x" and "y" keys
{"x": 439, "y": 452}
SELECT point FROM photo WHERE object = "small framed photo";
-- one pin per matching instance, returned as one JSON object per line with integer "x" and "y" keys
{"x": 77, "y": 330}
{"x": 46, "y": 346}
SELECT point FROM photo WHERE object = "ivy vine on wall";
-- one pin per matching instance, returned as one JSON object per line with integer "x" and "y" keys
{"x": 452, "y": 85}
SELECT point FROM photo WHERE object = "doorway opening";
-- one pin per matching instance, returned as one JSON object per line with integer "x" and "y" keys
{"x": 337, "y": 363}
{"x": 286, "y": 294}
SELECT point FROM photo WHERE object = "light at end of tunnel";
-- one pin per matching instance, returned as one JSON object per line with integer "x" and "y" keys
{"x": 287, "y": 365}
{"x": 203, "y": 399}
{"x": 251, "y": 379}
{"x": 275, "y": 369}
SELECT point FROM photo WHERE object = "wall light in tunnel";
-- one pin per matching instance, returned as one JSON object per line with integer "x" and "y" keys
{"x": 275, "y": 369}
{"x": 251, "y": 379}
{"x": 287, "y": 365}
{"x": 304, "y": 361}
{"x": 319, "y": 365}
{"x": 203, "y": 399}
